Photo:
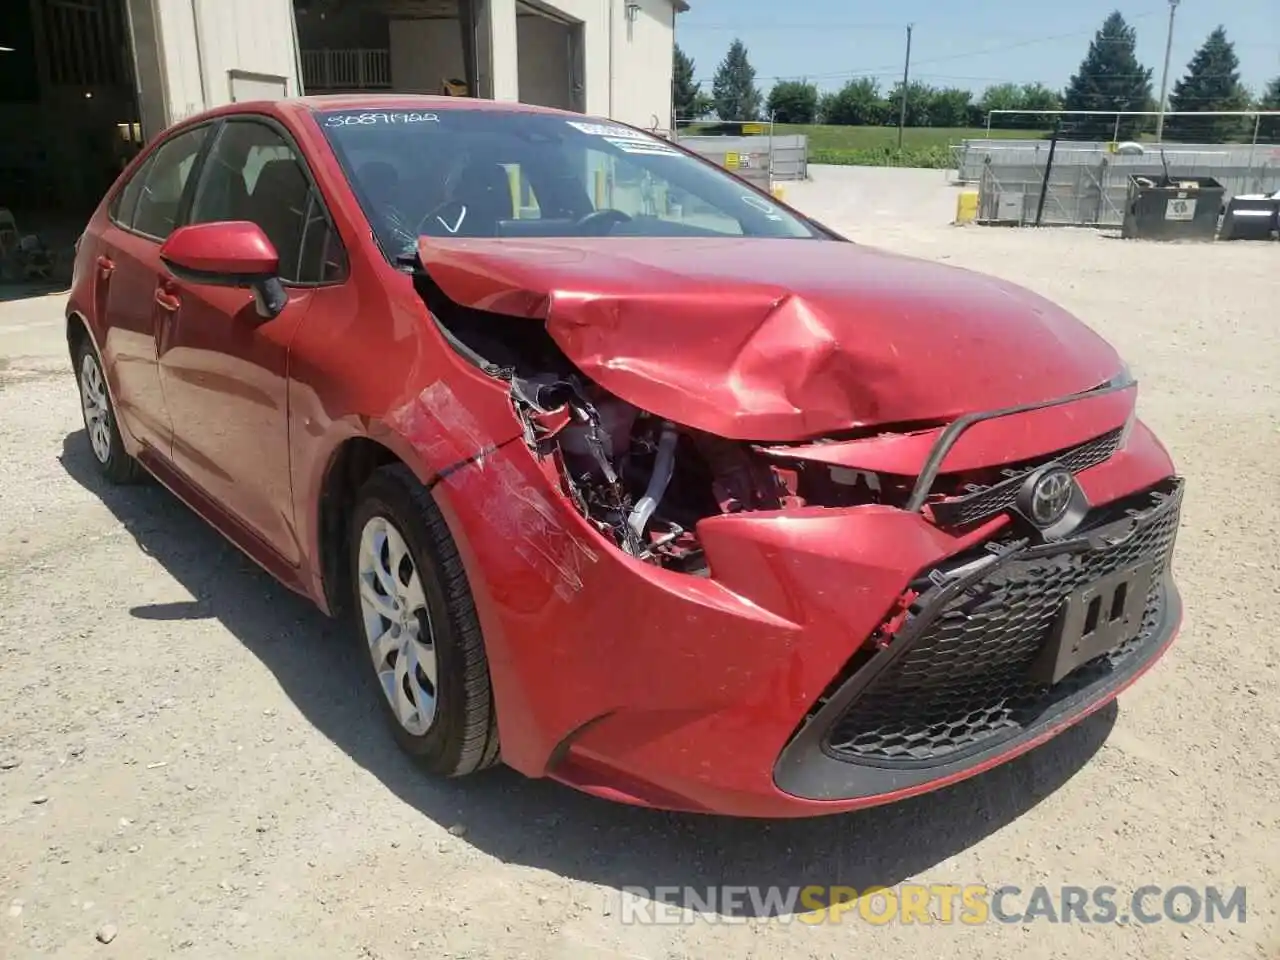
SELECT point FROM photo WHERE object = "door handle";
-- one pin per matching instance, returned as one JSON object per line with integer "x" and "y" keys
{"x": 167, "y": 300}
{"x": 106, "y": 265}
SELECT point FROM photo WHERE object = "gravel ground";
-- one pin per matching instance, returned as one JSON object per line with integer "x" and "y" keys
{"x": 198, "y": 772}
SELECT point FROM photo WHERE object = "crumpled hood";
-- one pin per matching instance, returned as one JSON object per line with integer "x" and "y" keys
{"x": 779, "y": 340}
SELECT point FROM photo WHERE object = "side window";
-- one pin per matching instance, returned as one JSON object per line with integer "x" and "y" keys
{"x": 125, "y": 201}
{"x": 253, "y": 174}
{"x": 165, "y": 179}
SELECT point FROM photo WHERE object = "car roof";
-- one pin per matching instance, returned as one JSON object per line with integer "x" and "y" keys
{"x": 296, "y": 106}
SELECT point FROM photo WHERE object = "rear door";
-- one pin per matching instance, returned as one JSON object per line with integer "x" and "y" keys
{"x": 130, "y": 277}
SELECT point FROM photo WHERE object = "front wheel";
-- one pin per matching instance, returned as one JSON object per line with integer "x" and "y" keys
{"x": 100, "y": 423}
{"x": 418, "y": 624}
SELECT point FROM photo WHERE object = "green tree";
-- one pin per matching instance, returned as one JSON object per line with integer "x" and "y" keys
{"x": 1212, "y": 82}
{"x": 857, "y": 103}
{"x": 687, "y": 98}
{"x": 1001, "y": 96}
{"x": 1269, "y": 127}
{"x": 1109, "y": 78}
{"x": 734, "y": 87}
{"x": 920, "y": 100}
{"x": 793, "y": 101}
{"x": 1037, "y": 97}
{"x": 949, "y": 107}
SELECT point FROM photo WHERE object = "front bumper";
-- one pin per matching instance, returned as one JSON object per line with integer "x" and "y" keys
{"x": 947, "y": 699}
{"x": 954, "y": 692}
{"x": 661, "y": 689}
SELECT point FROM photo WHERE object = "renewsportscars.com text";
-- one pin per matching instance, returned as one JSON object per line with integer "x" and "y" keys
{"x": 934, "y": 903}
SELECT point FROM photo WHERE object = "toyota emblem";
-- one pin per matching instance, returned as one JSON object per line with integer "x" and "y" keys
{"x": 1051, "y": 496}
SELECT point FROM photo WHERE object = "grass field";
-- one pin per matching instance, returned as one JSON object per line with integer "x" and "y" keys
{"x": 913, "y": 138}
{"x": 878, "y": 146}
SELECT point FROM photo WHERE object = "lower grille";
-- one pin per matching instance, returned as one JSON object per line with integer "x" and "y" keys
{"x": 963, "y": 684}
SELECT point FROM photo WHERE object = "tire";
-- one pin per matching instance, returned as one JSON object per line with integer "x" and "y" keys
{"x": 461, "y": 736}
{"x": 99, "y": 414}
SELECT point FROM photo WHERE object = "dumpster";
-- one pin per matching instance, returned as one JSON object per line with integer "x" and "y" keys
{"x": 1172, "y": 208}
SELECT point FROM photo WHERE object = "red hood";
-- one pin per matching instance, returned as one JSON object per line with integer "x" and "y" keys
{"x": 761, "y": 339}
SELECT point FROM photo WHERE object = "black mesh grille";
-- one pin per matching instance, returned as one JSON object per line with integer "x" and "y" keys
{"x": 988, "y": 501}
{"x": 964, "y": 683}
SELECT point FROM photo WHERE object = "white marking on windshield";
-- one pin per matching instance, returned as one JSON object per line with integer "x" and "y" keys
{"x": 374, "y": 119}
{"x": 462, "y": 215}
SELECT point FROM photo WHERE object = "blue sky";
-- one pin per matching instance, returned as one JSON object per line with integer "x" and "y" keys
{"x": 964, "y": 44}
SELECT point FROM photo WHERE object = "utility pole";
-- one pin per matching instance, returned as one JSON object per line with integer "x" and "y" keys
{"x": 906, "y": 73}
{"x": 1164, "y": 76}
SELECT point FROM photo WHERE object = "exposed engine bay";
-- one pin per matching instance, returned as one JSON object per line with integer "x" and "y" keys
{"x": 646, "y": 482}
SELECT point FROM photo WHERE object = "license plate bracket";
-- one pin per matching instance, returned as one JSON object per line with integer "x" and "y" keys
{"x": 1093, "y": 619}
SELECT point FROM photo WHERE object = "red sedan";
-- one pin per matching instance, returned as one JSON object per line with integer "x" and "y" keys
{"x": 625, "y": 472}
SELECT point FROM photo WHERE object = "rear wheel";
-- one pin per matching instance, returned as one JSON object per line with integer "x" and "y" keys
{"x": 100, "y": 424}
{"x": 418, "y": 623}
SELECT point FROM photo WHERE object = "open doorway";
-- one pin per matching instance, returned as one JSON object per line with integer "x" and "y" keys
{"x": 406, "y": 46}
{"x": 550, "y": 58}
{"x": 68, "y": 108}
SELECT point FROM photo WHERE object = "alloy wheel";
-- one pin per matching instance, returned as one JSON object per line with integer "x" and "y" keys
{"x": 397, "y": 625}
{"x": 97, "y": 417}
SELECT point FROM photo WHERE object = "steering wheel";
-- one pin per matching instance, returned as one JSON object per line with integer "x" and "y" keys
{"x": 600, "y": 220}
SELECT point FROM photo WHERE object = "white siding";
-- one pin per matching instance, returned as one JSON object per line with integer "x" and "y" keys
{"x": 204, "y": 40}
{"x": 643, "y": 51}
{"x": 638, "y": 87}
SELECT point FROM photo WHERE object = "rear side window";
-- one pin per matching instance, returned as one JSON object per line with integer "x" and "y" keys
{"x": 126, "y": 200}
{"x": 160, "y": 198}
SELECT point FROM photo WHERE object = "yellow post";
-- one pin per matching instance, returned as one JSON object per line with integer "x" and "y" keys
{"x": 599, "y": 189}
{"x": 967, "y": 206}
{"x": 513, "y": 182}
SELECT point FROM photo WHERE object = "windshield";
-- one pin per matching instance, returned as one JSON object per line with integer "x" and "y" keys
{"x": 491, "y": 173}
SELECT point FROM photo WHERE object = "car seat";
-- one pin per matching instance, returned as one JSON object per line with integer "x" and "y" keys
{"x": 486, "y": 191}
{"x": 278, "y": 205}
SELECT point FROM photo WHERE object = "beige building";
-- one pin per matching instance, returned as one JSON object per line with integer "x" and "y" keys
{"x": 84, "y": 82}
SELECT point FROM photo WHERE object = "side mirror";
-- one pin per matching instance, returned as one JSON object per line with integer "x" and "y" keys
{"x": 229, "y": 253}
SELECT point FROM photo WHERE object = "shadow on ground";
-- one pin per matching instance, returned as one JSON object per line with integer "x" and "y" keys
{"x": 538, "y": 822}
{"x": 28, "y": 291}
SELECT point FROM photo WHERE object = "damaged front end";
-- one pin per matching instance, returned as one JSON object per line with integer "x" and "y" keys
{"x": 642, "y": 481}
{"x": 645, "y": 481}
{"x": 817, "y": 568}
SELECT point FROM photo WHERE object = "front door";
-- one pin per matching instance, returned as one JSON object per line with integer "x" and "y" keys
{"x": 224, "y": 369}
{"x": 129, "y": 270}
